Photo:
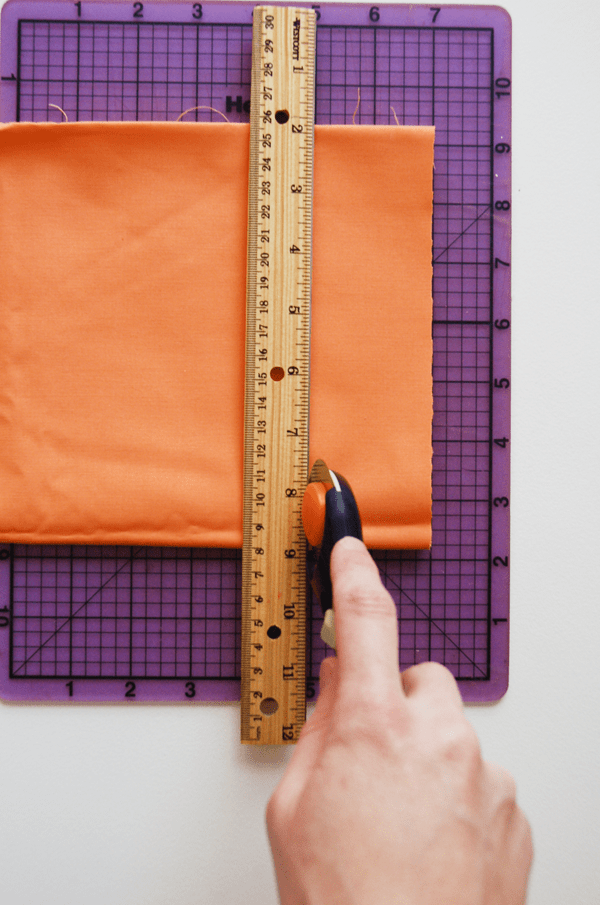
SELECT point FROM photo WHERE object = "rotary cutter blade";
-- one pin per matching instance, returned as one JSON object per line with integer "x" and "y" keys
{"x": 329, "y": 512}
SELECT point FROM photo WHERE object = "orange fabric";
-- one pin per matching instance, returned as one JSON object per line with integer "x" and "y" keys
{"x": 122, "y": 318}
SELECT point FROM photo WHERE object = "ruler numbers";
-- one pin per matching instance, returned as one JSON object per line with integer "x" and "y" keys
{"x": 277, "y": 375}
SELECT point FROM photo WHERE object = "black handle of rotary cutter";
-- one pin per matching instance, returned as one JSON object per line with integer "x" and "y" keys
{"x": 342, "y": 519}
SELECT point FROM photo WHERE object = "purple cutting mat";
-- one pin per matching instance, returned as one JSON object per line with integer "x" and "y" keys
{"x": 116, "y": 623}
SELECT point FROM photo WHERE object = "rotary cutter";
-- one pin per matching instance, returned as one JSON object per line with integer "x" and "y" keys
{"x": 329, "y": 512}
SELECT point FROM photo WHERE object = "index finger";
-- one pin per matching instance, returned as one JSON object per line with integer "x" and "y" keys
{"x": 366, "y": 625}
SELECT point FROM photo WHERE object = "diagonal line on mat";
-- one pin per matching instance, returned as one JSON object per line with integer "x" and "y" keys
{"x": 70, "y": 618}
{"x": 466, "y": 229}
{"x": 435, "y": 624}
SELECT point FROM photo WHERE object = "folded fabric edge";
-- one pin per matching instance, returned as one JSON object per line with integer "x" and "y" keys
{"x": 375, "y": 537}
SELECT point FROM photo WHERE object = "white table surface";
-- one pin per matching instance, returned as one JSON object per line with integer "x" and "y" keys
{"x": 153, "y": 805}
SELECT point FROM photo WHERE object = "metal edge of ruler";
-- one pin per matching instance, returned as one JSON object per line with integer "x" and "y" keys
{"x": 277, "y": 388}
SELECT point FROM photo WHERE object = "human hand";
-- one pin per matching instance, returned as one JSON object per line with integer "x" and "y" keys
{"x": 387, "y": 800}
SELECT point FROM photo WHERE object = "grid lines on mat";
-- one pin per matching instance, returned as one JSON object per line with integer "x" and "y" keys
{"x": 170, "y": 613}
{"x": 135, "y": 612}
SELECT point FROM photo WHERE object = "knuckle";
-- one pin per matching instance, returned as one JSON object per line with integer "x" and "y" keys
{"x": 272, "y": 812}
{"x": 526, "y": 837}
{"x": 504, "y": 783}
{"x": 509, "y": 788}
{"x": 277, "y": 811}
{"x": 461, "y": 745}
{"x": 436, "y": 671}
{"x": 433, "y": 675}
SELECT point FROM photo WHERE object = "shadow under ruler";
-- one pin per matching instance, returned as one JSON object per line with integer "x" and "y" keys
{"x": 112, "y": 623}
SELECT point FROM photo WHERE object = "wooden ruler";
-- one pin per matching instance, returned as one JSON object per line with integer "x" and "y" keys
{"x": 273, "y": 667}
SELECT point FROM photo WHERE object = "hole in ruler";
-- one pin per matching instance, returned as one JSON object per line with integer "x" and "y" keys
{"x": 282, "y": 117}
{"x": 277, "y": 373}
{"x": 274, "y": 631}
{"x": 269, "y": 706}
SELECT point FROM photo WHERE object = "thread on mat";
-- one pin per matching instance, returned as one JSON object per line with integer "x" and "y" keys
{"x": 202, "y": 107}
{"x": 356, "y": 110}
{"x": 56, "y": 107}
{"x": 397, "y": 123}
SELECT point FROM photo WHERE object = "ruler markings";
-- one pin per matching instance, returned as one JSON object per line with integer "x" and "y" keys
{"x": 491, "y": 361}
{"x": 273, "y": 677}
